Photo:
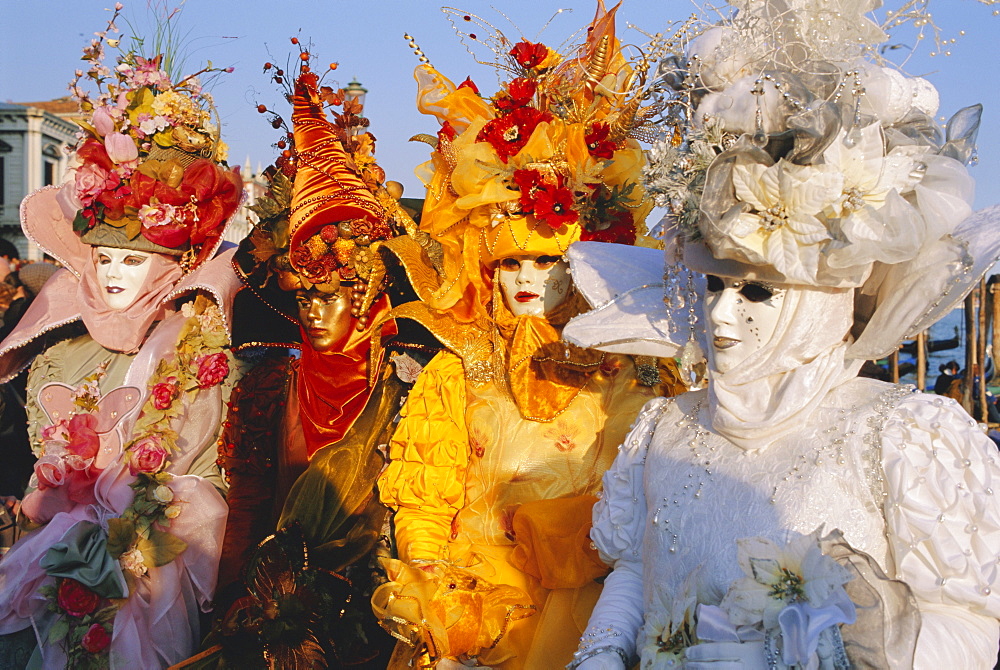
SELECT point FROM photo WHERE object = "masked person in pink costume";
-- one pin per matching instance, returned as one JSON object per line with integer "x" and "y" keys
{"x": 130, "y": 365}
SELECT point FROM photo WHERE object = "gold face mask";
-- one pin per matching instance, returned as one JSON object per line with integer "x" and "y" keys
{"x": 326, "y": 318}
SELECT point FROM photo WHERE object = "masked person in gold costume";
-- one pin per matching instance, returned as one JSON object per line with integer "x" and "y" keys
{"x": 301, "y": 445}
{"x": 502, "y": 443}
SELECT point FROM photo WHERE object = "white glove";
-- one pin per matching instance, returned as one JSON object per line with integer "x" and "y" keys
{"x": 452, "y": 664}
{"x": 606, "y": 660}
{"x": 726, "y": 656}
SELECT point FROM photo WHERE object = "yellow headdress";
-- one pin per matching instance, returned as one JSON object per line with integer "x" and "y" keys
{"x": 550, "y": 159}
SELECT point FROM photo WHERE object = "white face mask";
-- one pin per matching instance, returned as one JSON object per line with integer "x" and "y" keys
{"x": 741, "y": 317}
{"x": 534, "y": 285}
{"x": 120, "y": 274}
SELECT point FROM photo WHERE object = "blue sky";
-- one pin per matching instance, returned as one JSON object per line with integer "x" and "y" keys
{"x": 43, "y": 41}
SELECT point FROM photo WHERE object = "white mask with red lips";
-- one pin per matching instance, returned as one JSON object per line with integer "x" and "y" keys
{"x": 121, "y": 274}
{"x": 534, "y": 285}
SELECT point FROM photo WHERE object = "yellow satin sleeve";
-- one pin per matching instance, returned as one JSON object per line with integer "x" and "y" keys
{"x": 429, "y": 456}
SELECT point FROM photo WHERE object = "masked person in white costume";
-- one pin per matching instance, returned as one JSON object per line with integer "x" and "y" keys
{"x": 793, "y": 514}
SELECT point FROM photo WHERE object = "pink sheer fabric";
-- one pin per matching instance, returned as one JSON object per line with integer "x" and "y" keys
{"x": 124, "y": 330}
{"x": 159, "y": 623}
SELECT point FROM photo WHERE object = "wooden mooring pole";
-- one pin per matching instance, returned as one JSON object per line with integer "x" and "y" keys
{"x": 970, "y": 350}
{"x": 922, "y": 360}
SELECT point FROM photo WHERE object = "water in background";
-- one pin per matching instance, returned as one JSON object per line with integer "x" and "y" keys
{"x": 942, "y": 330}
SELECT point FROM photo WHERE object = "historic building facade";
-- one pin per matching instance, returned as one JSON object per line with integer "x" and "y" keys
{"x": 34, "y": 137}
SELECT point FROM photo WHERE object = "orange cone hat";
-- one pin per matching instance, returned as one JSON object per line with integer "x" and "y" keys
{"x": 327, "y": 187}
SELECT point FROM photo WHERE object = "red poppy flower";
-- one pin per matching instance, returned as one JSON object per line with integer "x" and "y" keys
{"x": 597, "y": 141}
{"x": 529, "y": 55}
{"x": 620, "y": 229}
{"x": 554, "y": 206}
{"x": 521, "y": 90}
{"x": 468, "y": 83}
{"x": 509, "y": 133}
{"x": 447, "y": 131}
{"x": 528, "y": 182}
{"x": 504, "y": 103}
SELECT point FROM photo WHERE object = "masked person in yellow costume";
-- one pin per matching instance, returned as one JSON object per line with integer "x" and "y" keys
{"x": 496, "y": 463}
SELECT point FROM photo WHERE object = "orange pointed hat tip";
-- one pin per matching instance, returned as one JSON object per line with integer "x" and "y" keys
{"x": 327, "y": 187}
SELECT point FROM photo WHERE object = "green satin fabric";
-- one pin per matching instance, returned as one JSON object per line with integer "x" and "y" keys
{"x": 82, "y": 554}
{"x": 334, "y": 499}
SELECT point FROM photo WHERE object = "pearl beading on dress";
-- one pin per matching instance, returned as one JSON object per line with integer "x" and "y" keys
{"x": 837, "y": 435}
{"x": 698, "y": 445}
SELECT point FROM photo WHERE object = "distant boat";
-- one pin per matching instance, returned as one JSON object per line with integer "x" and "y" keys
{"x": 942, "y": 344}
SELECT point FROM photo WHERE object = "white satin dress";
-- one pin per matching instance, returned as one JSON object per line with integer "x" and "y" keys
{"x": 908, "y": 478}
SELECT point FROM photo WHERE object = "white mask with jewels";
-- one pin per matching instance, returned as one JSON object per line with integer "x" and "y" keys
{"x": 121, "y": 274}
{"x": 741, "y": 317}
{"x": 534, "y": 285}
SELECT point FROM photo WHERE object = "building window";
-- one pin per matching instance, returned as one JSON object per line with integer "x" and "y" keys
{"x": 4, "y": 149}
{"x": 50, "y": 162}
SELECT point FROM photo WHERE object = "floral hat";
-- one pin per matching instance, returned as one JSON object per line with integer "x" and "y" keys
{"x": 797, "y": 155}
{"x": 550, "y": 159}
{"x": 151, "y": 171}
{"x": 803, "y": 157}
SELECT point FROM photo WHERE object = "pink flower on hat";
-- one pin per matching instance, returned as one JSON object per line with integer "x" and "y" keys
{"x": 103, "y": 122}
{"x": 157, "y": 214}
{"x": 121, "y": 148}
{"x": 92, "y": 180}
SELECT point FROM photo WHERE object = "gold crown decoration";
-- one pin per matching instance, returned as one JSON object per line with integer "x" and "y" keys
{"x": 152, "y": 173}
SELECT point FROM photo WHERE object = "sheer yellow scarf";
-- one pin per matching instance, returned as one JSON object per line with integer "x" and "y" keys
{"x": 544, "y": 373}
